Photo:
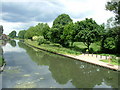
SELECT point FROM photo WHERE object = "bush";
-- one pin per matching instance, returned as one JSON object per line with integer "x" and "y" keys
{"x": 41, "y": 40}
{"x": 113, "y": 59}
{"x": 109, "y": 43}
{"x": 35, "y": 38}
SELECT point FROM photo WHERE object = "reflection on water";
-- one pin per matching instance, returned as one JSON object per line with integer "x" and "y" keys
{"x": 28, "y": 68}
{"x": 12, "y": 43}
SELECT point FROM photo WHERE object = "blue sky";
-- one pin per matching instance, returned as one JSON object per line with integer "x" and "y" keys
{"x": 21, "y": 14}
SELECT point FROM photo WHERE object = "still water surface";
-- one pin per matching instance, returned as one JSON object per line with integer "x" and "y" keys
{"x": 29, "y": 68}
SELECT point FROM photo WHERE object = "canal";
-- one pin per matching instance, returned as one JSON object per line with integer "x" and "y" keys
{"x": 27, "y": 67}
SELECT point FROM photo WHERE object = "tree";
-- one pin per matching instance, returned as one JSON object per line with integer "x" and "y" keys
{"x": 115, "y": 33}
{"x": 31, "y": 32}
{"x": 114, "y": 6}
{"x": 21, "y": 34}
{"x": 1, "y": 29}
{"x": 56, "y": 32}
{"x": 62, "y": 19}
{"x": 69, "y": 33}
{"x": 45, "y": 31}
{"x": 12, "y": 34}
{"x": 109, "y": 43}
{"x": 40, "y": 29}
{"x": 89, "y": 33}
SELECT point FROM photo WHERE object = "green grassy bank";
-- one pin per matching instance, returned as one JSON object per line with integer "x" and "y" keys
{"x": 76, "y": 50}
{"x": 1, "y": 61}
{"x": 54, "y": 48}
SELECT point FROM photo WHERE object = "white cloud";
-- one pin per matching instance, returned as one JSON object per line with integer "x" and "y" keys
{"x": 77, "y": 9}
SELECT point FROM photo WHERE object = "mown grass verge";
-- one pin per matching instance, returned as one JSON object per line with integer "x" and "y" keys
{"x": 76, "y": 50}
{"x": 1, "y": 61}
{"x": 111, "y": 62}
{"x": 54, "y": 48}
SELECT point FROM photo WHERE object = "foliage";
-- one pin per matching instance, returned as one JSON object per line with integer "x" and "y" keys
{"x": 41, "y": 40}
{"x": 89, "y": 32}
{"x": 53, "y": 48}
{"x": 114, "y": 6}
{"x": 38, "y": 30}
{"x": 56, "y": 32}
{"x": 114, "y": 35}
{"x": 35, "y": 38}
{"x": 45, "y": 29}
{"x": 30, "y": 33}
{"x": 21, "y": 34}
{"x": 109, "y": 43}
{"x": 62, "y": 19}
{"x": 69, "y": 33}
{"x": 12, "y": 34}
{"x": 1, "y": 29}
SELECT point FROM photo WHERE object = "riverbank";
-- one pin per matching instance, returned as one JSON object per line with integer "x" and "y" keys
{"x": 81, "y": 57}
{"x": 54, "y": 48}
{"x": 2, "y": 62}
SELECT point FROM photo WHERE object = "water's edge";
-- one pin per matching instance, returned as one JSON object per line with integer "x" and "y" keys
{"x": 2, "y": 67}
{"x": 70, "y": 57}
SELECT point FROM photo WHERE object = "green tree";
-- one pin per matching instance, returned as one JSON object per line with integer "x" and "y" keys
{"x": 1, "y": 29}
{"x": 89, "y": 33}
{"x": 21, "y": 34}
{"x": 30, "y": 33}
{"x": 12, "y": 34}
{"x": 109, "y": 43}
{"x": 62, "y": 19}
{"x": 69, "y": 33}
{"x": 45, "y": 31}
{"x": 115, "y": 33}
{"x": 114, "y": 6}
{"x": 56, "y": 32}
{"x": 40, "y": 29}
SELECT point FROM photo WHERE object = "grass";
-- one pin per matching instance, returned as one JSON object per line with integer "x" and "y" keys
{"x": 94, "y": 47}
{"x": 77, "y": 49}
{"x": 54, "y": 48}
{"x": 113, "y": 63}
{"x": 1, "y": 61}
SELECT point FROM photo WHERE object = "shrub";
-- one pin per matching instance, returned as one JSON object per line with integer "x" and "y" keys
{"x": 35, "y": 38}
{"x": 113, "y": 59}
{"x": 41, "y": 40}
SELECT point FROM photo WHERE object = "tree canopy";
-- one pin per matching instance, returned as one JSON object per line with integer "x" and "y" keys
{"x": 62, "y": 19}
{"x": 89, "y": 32}
{"x": 1, "y": 29}
{"x": 12, "y": 34}
{"x": 114, "y": 6}
{"x": 21, "y": 34}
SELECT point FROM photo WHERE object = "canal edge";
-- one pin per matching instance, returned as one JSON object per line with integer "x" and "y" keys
{"x": 72, "y": 57}
{"x": 2, "y": 67}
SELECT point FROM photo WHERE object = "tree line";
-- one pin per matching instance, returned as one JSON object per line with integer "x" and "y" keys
{"x": 65, "y": 32}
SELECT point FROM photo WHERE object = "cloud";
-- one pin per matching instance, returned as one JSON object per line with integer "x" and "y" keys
{"x": 21, "y": 14}
{"x": 43, "y": 11}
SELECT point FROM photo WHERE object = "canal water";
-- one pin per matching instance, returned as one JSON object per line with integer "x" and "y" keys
{"x": 31, "y": 68}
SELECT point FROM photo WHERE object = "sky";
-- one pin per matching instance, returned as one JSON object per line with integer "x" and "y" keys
{"x": 21, "y": 14}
